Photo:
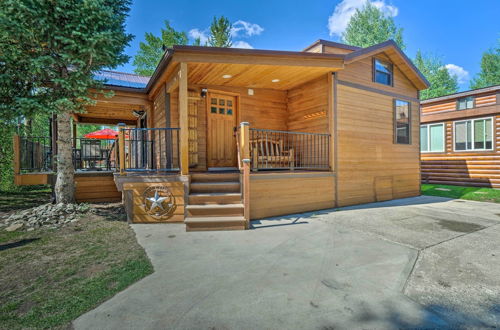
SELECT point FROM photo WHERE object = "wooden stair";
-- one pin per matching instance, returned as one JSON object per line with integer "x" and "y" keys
{"x": 215, "y": 202}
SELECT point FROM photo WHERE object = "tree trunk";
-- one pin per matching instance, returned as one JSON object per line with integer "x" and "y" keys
{"x": 65, "y": 184}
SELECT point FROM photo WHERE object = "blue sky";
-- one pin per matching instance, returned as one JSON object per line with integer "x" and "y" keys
{"x": 459, "y": 31}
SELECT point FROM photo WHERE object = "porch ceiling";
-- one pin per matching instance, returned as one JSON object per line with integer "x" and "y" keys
{"x": 253, "y": 76}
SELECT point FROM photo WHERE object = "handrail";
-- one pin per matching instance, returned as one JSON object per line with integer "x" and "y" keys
{"x": 149, "y": 149}
{"x": 275, "y": 149}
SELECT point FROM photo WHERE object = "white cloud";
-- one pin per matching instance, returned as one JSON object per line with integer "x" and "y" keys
{"x": 461, "y": 73}
{"x": 196, "y": 33}
{"x": 241, "y": 44}
{"x": 246, "y": 29}
{"x": 342, "y": 13}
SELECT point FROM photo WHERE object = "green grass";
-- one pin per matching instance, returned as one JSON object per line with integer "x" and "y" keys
{"x": 470, "y": 193}
{"x": 50, "y": 277}
{"x": 24, "y": 198}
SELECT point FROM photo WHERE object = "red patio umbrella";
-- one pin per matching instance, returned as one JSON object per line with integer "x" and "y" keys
{"x": 106, "y": 133}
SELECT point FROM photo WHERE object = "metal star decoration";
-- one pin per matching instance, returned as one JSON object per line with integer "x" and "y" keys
{"x": 156, "y": 202}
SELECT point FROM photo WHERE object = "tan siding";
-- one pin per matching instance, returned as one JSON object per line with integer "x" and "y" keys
{"x": 279, "y": 194}
{"x": 307, "y": 107}
{"x": 360, "y": 72}
{"x": 371, "y": 167}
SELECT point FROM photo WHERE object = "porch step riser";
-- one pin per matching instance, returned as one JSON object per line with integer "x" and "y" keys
{"x": 229, "y": 187}
{"x": 215, "y": 199}
{"x": 225, "y": 212}
{"x": 209, "y": 224}
{"x": 214, "y": 177}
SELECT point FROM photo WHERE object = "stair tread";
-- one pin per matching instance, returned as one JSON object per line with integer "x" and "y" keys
{"x": 214, "y": 206}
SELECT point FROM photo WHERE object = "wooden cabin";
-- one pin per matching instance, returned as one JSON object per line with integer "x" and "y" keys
{"x": 459, "y": 136}
{"x": 220, "y": 136}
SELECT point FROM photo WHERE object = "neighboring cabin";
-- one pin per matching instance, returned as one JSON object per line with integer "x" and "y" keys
{"x": 460, "y": 138}
{"x": 329, "y": 126}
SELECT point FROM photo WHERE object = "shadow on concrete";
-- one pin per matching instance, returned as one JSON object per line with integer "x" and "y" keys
{"x": 19, "y": 243}
{"x": 282, "y": 221}
{"x": 411, "y": 201}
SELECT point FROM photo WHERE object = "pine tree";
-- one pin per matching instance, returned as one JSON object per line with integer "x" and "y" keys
{"x": 49, "y": 52}
{"x": 220, "y": 33}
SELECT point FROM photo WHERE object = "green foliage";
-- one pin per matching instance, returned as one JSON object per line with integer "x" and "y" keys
{"x": 220, "y": 33}
{"x": 81, "y": 130}
{"x": 370, "y": 26}
{"x": 49, "y": 50}
{"x": 470, "y": 193}
{"x": 151, "y": 51}
{"x": 441, "y": 82}
{"x": 7, "y": 130}
{"x": 490, "y": 69}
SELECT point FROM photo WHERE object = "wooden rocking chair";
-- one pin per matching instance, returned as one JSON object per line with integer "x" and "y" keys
{"x": 269, "y": 153}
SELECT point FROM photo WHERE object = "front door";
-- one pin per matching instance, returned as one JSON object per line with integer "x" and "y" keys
{"x": 221, "y": 118}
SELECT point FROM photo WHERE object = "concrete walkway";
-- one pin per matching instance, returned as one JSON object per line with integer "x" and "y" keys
{"x": 421, "y": 262}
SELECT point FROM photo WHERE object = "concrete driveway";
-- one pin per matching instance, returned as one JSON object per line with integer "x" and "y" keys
{"x": 422, "y": 262}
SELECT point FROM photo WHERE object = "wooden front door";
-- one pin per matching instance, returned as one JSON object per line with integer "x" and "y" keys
{"x": 221, "y": 117}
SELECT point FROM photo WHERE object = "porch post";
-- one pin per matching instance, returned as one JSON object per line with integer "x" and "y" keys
{"x": 245, "y": 159}
{"x": 121, "y": 147}
{"x": 183, "y": 118}
{"x": 331, "y": 119}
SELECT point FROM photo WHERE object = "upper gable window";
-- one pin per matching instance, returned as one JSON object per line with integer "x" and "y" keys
{"x": 382, "y": 72}
{"x": 465, "y": 103}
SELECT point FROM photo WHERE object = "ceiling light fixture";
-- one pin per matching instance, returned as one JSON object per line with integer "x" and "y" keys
{"x": 275, "y": 80}
{"x": 227, "y": 76}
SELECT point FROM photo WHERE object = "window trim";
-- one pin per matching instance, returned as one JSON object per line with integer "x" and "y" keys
{"x": 374, "y": 71}
{"x": 460, "y": 98}
{"x": 472, "y": 120}
{"x": 395, "y": 123}
{"x": 428, "y": 137}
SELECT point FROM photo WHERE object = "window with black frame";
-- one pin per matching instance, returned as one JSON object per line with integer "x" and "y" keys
{"x": 402, "y": 122}
{"x": 382, "y": 72}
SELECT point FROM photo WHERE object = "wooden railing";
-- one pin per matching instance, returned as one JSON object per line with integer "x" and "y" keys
{"x": 148, "y": 149}
{"x": 270, "y": 149}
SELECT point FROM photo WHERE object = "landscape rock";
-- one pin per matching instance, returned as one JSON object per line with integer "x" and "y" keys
{"x": 46, "y": 215}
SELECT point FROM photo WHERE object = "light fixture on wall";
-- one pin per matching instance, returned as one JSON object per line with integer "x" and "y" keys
{"x": 275, "y": 80}
{"x": 204, "y": 92}
{"x": 138, "y": 113}
{"x": 227, "y": 76}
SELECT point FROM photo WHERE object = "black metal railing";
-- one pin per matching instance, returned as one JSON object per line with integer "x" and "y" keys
{"x": 35, "y": 154}
{"x": 151, "y": 149}
{"x": 270, "y": 149}
{"x": 94, "y": 154}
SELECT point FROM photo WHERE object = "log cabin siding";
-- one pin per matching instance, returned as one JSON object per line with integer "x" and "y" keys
{"x": 469, "y": 168}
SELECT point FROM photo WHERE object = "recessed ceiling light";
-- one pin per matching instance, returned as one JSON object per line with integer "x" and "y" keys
{"x": 275, "y": 80}
{"x": 227, "y": 76}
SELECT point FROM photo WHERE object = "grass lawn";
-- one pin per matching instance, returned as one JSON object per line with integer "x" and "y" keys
{"x": 16, "y": 200}
{"x": 50, "y": 277}
{"x": 470, "y": 193}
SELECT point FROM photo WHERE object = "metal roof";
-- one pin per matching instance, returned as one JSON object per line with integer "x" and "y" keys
{"x": 122, "y": 79}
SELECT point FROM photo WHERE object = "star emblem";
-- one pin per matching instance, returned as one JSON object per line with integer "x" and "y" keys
{"x": 156, "y": 202}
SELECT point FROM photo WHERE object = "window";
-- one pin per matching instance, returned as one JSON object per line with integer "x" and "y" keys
{"x": 402, "y": 121}
{"x": 474, "y": 134}
{"x": 465, "y": 103}
{"x": 432, "y": 138}
{"x": 382, "y": 72}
